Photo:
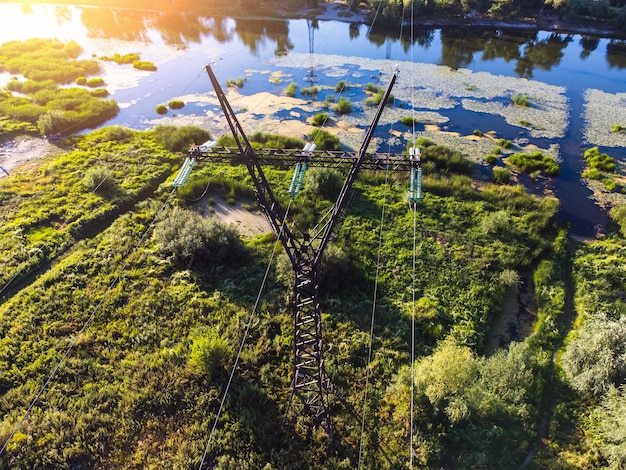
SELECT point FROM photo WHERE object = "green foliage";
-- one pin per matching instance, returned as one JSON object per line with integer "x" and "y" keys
{"x": 161, "y": 109}
{"x": 29, "y": 86}
{"x": 99, "y": 93}
{"x": 596, "y": 359}
{"x": 236, "y": 82}
{"x": 618, "y": 214}
{"x": 344, "y": 106}
{"x": 592, "y": 174}
{"x": 520, "y": 100}
{"x": 607, "y": 425}
{"x": 491, "y": 159}
{"x": 210, "y": 352}
{"x": 121, "y": 59}
{"x": 291, "y": 89}
{"x": 324, "y": 140}
{"x": 444, "y": 158}
{"x": 409, "y": 121}
{"x": 82, "y": 80}
{"x": 341, "y": 86}
{"x": 506, "y": 144}
{"x": 40, "y": 60}
{"x": 176, "y": 104}
{"x": 99, "y": 180}
{"x": 179, "y": 139}
{"x": 324, "y": 182}
{"x": 530, "y": 162}
{"x": 310, "y": 91}
{"x": 600, "y": 161}
{"x": 478, "y": 133}
{"x": 501, "y": 175}
{"x": 377, "y": 98}
{"x": 144, "y": 65}
{"x": 95, "y": 82}
{"x": 190, "y": 238}
{"x": 319, "y": 119}
{"x": 619, "y": 128}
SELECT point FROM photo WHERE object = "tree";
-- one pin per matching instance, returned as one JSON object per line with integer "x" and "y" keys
{"x": 596, "y": 359}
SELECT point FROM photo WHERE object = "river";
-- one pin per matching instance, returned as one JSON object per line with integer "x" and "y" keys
{"x": 455, "y": 80}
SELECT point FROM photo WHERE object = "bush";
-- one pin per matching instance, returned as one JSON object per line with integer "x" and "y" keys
{"x": 409, "y": 121}
{"x": 592, "y": 174}
{"x": 82, "y": 80}
{"x": 53, "y": 122}
{"x": 176, "y": 104}
{"x": 596, "y": 359}
{"x": 209, "y": 353}
{"x": 189, "y": 238}
{"x": 99, "y": 93}
{"x": 99, "y": 179}
{"x": 478, "y": 133}
{"x": 325, "y": 140}
{"x": 237, "y": 83}
{"x": 95, "y": 82}
{"x": 610, "y": 184}
{"x": 161, "y": 109}
{"x": 491, "y": 158}
{"x": 143, "y": 65}
{"x": 325, "y": 182}
{"x": 520, "y": 100}
{"x": 344, "y": 106}
{"x": 598, "y": 160}
{"x": 178, "y": 139}
{"x": 122, "y": 59}
{"x": 319, "y": 119}
{"x": 618, "y": 214}
{"x": 447, "y": 159}
{"x": 291, "y": 89}
{"x": 501, "y": 175}
{"x": 341, "y": 86}
{"x": 531, "y": 162}
{"x": 506, "y": 144}
{"x": 619, "y": 128}
{"x": 310, "y": 91}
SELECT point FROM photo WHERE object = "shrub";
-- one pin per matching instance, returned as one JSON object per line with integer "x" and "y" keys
{"x": 99, "y": 179}
{"x": 82, "y": 80}
{"x": 325, "y": 182}
{"x": 620, "y": 128}
{"x": 29, "y": 86}
{"x": 506, "y": 144}
{"x": 95, "y": 82}
{"x": 209, "y": 353}
{"x": 319, "y": 119}
{"x": 310, "y": 91}
{"x": 325, "y": 140}
{"x": 178, "y": 139}
{"x": 344, "y": 106}
{"x": 189, "y": 238}
{"x": 478, "y": 133}
{"x": 291, "y": 89}
{"x": 610, "y": 184}
{"x": 501, "y": 175}
{"x": 161, "y": 109}
{"x": 99, "y": 93}
{"x": 176, "y": 104}
{"x": 341, "y": 86}
{"x": 372, "y": 88}
{"x": 236, "y": 82}
{"x": 497, "y": 151}
{"x": 530, "y": 162}
{"x": 53, "y": 122}
{"x": 122, "y": 59}
{"x": 447, "y": 159}
{"x": 520, "y": 100}
{"x": 144, "y": 65}
{"x": 592, "y": 174}
{"x": 491, "y": 159}
{"x": 618, "y": 214}
{"x": 409, "y": 121}
{"x": 598, "y": 160}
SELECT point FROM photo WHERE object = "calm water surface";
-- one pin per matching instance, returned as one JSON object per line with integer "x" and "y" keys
{"x": 180, "y": 45}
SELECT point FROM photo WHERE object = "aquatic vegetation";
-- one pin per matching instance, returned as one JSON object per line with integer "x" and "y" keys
{"x": 491, "y": 158}
{"x": 501, "y": 175}
{"x": 179, "y": 138}
{"x": 520, "y": 100}
{"x": 236, "y": 82}
{"x": 310, "y": 91}
{"x": 161, "y": 109}
{"x": 341, "y": 86}
{"x": 409, "y": 121}
{"x": 291, "y": 89}
{"x": 504, "y": 143}
{"x": 176, "y": 104}
{"x": 319, "y": 119}
{"x": 530, "y": 162}
{"x": 619, "y": 128}
{"x": 144, "y": 65}
{"x": 343, "y": 106}
{"x": 601, "y": 161}
{"x": 121, "y": 59}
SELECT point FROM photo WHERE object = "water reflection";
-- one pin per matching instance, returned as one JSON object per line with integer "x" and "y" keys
{"x": 616, "y": 54}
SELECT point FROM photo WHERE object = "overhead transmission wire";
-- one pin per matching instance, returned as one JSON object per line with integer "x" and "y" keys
{"x": 245, "y": 336}
{"x": 375, "y": 296}
{"x": 86, "y": 324}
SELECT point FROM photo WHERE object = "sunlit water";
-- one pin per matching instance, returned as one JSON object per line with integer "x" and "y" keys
{"x": 180, "y": 45}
